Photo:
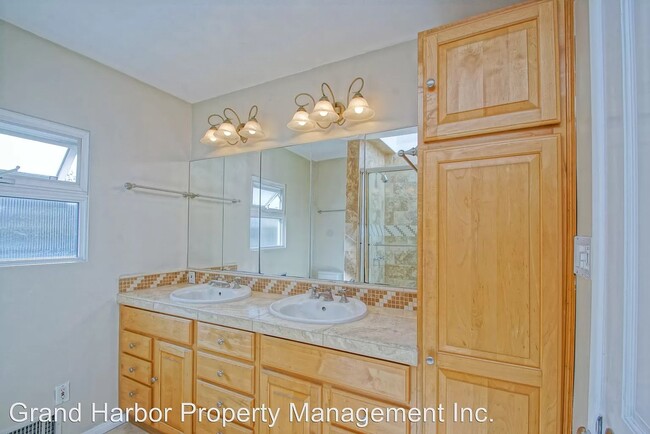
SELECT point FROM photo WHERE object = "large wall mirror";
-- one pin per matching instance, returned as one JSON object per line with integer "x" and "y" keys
{"x": 343, "y": 209}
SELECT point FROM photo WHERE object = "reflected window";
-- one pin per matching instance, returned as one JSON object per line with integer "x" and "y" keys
{"x": 268, "y": 215}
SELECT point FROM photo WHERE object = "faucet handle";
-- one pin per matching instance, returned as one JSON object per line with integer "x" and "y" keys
{"x": 235, "y": 283}
{"x": 344, "y": 293}
{"x": 313, "y": 292}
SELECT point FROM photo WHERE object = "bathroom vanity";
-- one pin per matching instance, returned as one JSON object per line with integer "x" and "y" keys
{"x": 172, "y": 354}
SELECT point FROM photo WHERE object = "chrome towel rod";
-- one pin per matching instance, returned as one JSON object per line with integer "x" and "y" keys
{"x": 405, "y": 154}
{"x": 321, "y": 211}
{"x": 187, "y": 194}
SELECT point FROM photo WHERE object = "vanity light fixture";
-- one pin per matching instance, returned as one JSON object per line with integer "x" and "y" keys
{"x": 329, "y": 111}
{"x": 227, "y": 132}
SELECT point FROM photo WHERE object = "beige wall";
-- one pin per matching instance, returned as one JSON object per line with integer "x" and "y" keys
{"x": 59, "y": 322}
{"x": 391, "y": 89}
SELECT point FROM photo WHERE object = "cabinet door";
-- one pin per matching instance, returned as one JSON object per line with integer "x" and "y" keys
{"x": 172, "y": 385}
{"x": 493, "y": 73}
{"x": 288, "y": 394}
{"x": 492, "y": 284}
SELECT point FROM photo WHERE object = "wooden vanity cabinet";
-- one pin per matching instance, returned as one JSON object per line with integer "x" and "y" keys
{"x": 166, "y": 360}
{"x": 156, "y": 365}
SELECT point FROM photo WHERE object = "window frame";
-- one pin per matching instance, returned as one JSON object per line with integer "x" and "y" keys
{"x": 259, "y": 212}
{"x": 31, "y": 186}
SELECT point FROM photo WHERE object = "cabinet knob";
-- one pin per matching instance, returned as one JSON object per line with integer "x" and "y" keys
{"x": 219, "y": 373}
{"x": 219, "y": 404}
{"x": 154, "y": 379}
{"x": 221, "y": 341}
{"x": 131, "y": 369}
{"x": 132, "y": 394}
{"x": 430, "y": 360}
{"x": 431, "y": 83}
{"x": 132, "y": 345}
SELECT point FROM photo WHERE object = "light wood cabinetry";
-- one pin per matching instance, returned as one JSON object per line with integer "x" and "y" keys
{"x": 278, "y": 391}
{"x": 493, "y": 73}
{"x": 172, "y": 385}
{"x": 497, "y": 219}
{"x": 225, "y": 368}
{"x": 154, "y": 372}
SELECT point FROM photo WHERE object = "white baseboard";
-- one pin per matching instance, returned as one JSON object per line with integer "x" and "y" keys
{"x": 103, "y": 427}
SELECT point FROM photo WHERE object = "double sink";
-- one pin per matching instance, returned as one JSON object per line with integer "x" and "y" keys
{"x": 311, "y": 308}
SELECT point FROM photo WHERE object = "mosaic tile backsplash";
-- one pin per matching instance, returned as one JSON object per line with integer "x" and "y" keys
{"x": 372, "y": 296}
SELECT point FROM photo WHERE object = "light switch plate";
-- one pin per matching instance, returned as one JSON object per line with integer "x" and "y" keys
{"x": 582, "y": 257}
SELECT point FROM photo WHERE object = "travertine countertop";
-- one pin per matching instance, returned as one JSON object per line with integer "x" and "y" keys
{"x": 388, "y": 334}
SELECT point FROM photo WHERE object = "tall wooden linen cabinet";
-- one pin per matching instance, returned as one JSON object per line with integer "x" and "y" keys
{"x": 497, "y": 218}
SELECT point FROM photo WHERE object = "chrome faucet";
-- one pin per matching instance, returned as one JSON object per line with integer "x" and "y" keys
{"x": 235, "y": 283}
{"x": 313, "y": 293}
{"x": 327, "y": 295}
{"x": 344, "y": 296}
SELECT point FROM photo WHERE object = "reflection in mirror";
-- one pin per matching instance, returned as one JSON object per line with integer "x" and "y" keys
{"x": 241, "y": 233}
{"x": 342, "y": 209}
{"x": 283, "y": 213}
{"x": 381, "y": 240}
{"x": 204, "y": 249}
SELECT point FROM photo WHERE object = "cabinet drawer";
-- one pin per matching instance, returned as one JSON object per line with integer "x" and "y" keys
{"x": 210, "y": 396}
{"x": 132, "y": 392}
{"x": 157, "y": 324}
{"x": 135, "y": 344}
{"x": 370, "y": 376}
{"x": 232, "y": 342}
{"x": 340, "y": 400}
{"x": 207, "y": 427}
{"x": 235, "y": 375}
{"x": 134, "y": 368}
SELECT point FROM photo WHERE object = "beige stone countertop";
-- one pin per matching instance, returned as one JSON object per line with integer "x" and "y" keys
{"x": 388, "y": 334}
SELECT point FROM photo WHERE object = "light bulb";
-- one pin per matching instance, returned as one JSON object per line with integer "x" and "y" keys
{"x": 302, "y": 123}
{"x": 358, "y": 110}
{"x": 227, "y": 133}
{"x": 324, "y": 111}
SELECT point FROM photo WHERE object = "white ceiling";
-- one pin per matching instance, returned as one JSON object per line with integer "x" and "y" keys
{"x": 199, "y": 49}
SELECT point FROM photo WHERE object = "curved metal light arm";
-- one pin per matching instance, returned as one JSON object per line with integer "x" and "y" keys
{"x": 322, "y": 89}
{"x": 233, "y": 112}
{"x": 313, "y": 101}
{"x": 252, "y": 113}
{"x": 218, "y": 116}
{"x": 362, "y": 82}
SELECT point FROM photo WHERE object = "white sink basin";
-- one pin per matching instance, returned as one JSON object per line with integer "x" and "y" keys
{"x": 303, "y": 309}
{"x": 212, "y": 292}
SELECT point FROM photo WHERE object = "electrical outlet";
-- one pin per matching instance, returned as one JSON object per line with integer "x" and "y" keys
{"x": 62, "y": 393}
{"x": 191, "y": 277}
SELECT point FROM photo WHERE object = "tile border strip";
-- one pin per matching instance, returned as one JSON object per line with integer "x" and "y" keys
{"x": 372, "y": 295}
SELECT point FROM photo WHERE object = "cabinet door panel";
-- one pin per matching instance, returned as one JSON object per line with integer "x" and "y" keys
{"x": 280, "y": 392}
{"x": 492, "y": 272}
{"x": 172, "y": 385}
{"x": 495, "y": 73}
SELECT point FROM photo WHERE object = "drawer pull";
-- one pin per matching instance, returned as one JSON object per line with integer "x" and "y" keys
{"x": 131, "y": 369}
{"x": 219, "y": 404}
{"x": 132, "y": 345}
{"x": 431, "y": 83}
{"x": 221, "y": 341}
{"x": 219, "y": 373}
{"x": 154, "y": 379}
{"x": 132, "y": 394}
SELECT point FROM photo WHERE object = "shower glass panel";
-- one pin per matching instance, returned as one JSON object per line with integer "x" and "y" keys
{"x": 391, "y": 226}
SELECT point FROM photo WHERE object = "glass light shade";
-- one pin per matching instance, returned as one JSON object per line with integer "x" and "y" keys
{"x": 252, "y": 130}
{"x": 324, "y": 112}
{"x": 301, "y": 121}
{"x": 210, "y": 137}
{"x": 227, "y": 132}
{"x": 358, "y": 110}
